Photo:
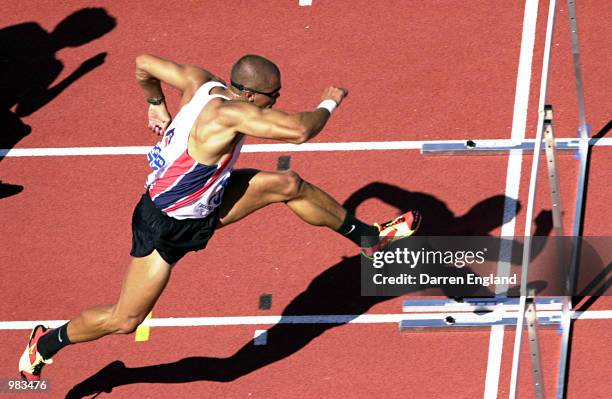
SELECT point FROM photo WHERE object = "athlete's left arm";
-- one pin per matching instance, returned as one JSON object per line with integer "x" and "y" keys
{"x": 152, "y": 70}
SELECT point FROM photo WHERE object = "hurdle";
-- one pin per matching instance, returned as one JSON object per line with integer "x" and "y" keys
{"x": 471, "y": 313}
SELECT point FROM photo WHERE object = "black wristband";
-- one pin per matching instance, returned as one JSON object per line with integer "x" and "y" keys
{"x": 155, "y": 101}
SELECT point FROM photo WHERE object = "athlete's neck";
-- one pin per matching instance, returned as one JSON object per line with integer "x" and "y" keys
{"x": 227, "y": 92}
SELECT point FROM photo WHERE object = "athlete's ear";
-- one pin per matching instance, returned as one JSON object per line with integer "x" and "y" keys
{"x": 250, "y": 96}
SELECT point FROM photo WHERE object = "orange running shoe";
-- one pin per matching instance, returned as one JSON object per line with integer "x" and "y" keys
{"x": 389, "y": 232}
{"x": 32, "y": 362}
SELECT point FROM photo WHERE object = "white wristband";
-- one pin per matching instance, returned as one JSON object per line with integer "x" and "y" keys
{"x": 329, "y": 105}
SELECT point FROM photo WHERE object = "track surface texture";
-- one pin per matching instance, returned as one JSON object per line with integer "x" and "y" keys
{"x": 415, "y": 71}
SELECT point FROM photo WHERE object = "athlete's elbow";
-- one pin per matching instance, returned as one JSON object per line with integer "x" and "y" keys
{"x": 298, "y": 139}
{"x": 142, "y": 61}
{"x": 291, "y": 130}
{"x": 300, "y": 135}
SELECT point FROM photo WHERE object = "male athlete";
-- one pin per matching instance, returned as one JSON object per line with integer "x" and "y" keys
{"x": 189, "y": 192}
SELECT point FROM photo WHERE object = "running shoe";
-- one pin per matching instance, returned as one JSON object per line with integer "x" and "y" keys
{"x": 402, "y": 226}
{"x": 32, "y": 362}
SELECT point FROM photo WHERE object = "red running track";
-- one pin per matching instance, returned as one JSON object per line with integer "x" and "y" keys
{"x": 415, "y": 73}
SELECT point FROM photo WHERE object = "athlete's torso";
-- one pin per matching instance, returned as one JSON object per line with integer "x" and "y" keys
{"x": 179, "y": 185}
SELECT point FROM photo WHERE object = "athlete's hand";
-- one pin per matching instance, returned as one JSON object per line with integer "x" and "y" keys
{"x": 334, "y": 93}
{"x": 159, "y": 118}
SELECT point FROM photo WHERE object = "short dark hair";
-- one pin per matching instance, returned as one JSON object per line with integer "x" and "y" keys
{"x": 256, "y": 72}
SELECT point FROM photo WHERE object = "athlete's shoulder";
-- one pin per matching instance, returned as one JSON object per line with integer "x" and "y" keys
{"x": 198, "y": 83}
{"x": 198, "y": 76}
{"x": 213, "y": 133}
{"x": 231, "y": 113}
{"x": 211, "y": 114}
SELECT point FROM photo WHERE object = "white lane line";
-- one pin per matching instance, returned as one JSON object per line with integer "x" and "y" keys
{"x": 496, "y": 338}
{"x": 592, "y": 315}
{"x": 307, "y": 319}
{"x": 304, "y": 3}
{"x": 513, "y": 179}
{"x": 523, "y": 78}
{"x": 264, "y": 148}
{"x": 249, "y": 148}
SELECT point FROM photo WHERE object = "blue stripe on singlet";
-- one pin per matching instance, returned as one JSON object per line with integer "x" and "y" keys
{"x": 189, "y": 183}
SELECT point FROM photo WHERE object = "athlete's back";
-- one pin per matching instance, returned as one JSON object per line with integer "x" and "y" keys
{"x": 179, "y": 185}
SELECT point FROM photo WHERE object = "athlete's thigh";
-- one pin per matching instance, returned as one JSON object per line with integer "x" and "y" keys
{"x": 249, "y": 190}
{"x": 144, "y": 282}
{"x": 236, "y": 189}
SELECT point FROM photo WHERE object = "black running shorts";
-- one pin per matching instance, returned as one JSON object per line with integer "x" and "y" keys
{"x": 172, "y": 238}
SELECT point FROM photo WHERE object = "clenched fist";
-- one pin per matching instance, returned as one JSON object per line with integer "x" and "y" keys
{"x": 336, "y": 94}
{"x": 159, "y": 118}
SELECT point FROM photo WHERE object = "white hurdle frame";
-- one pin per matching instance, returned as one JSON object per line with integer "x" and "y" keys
{"x": 517, "y": 317}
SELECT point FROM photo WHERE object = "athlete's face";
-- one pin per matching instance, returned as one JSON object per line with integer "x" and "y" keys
{"x": 267, "y": 100}
{"x": 263, "y": 99}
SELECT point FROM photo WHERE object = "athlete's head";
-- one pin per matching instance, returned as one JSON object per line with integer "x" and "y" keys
{"x": 257, "y": 80}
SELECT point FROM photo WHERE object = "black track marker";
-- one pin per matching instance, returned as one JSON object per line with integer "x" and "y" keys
{"x": 283, "y": 162}
{"x": 265, "y": 301}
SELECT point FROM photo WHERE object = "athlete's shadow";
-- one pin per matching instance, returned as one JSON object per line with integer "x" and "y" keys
{"x": 336, "y": 291}
{"x": 29, "y": 68}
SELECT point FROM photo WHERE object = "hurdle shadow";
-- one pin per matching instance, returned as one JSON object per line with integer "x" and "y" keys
{"x": 29, "y": 68}
{"x": 591, "y": 289}
{"x": 336, "y": 291}
{"x": 598, "y": 286}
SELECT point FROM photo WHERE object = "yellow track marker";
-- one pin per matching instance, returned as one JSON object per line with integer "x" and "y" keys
{"x": 142, "y": 332}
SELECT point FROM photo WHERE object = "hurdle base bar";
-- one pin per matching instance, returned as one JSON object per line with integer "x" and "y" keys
{"x": 474, "y": 314}
{"x": 474, "y": 322}
{"x": 495, "y": 147}
{"x": 503, "y": 304}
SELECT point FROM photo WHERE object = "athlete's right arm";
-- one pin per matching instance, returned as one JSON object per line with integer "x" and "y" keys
{"x": 268, "y": 123}
{"x": 150, "y": 70}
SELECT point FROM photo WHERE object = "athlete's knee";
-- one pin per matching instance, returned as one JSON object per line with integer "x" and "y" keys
{"x": 128, "y": 325}
{"x": 289, "y": 185}
{"x": 124, "y": 324}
